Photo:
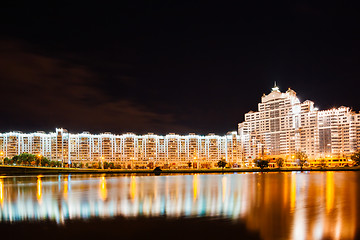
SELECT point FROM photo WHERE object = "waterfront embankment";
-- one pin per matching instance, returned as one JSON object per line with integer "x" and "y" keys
{"x": 8, "y": 170}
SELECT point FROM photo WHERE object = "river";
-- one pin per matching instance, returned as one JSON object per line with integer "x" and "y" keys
{"x": 284, "y": 205}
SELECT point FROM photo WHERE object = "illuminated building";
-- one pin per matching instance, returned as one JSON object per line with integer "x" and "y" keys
{"x": 283, "y": 125}
{"x": 126, "y": 150}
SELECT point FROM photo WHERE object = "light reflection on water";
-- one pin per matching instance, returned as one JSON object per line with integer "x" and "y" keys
{"x": 294, "y": 205}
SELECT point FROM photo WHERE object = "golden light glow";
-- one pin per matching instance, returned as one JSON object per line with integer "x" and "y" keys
{"x": 103, "y": 190}
{"x": 65, "y": 187}
{"x": 293, "y": 192}
{"x": 285, "y": 192}
{"x": 1, "y": 155}
{"x": 1, "y": 192}
{"x": 329, "y": 191}
{"x": 39, "y": 188}
{"x": 133, "y": 187}
{"x": 195, "y": 186}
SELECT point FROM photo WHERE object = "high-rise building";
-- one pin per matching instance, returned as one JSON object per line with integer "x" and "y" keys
{"x": 283, "y": 126}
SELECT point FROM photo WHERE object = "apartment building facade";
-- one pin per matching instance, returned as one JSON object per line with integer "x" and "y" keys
{"x": 283, "y": 126}
{"x": 126, "y": 150}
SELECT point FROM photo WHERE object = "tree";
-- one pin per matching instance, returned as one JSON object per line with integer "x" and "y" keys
{"x": 95, "y": 165}
{"x": 15, "y": 159}
{"x": 356, "y": 158}
{"x": 302, "y": 158}
{"x": 25, "y": 159}
{"x": 261, "y": 163}
{"x": 106, "y": 165}
{"x": 7, "y": 161}
{"x": 111, "y": 165}
{"x": 44, "y": 161}
{"x": 322, "y": 163}
{"x": 37, "y": 161}
{"x": 189, "y": 164}
{"x": 221, "y": 164}
{"x": 279, "y": 162}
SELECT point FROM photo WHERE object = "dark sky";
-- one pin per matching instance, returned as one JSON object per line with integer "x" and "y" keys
{"x": 154, "y": 67}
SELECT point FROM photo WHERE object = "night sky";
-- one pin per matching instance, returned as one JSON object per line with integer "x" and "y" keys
{"x": 154, "y": 67}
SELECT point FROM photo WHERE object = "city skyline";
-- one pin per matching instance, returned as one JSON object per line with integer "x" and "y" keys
{"x": 282, "y": 126}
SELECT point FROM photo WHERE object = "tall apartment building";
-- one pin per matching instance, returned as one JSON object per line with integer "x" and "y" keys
{"x": 126, "y": 150}
{"x": 283, "y": 125}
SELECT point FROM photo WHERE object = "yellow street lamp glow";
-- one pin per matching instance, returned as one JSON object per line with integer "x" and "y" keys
{"x": 1, "y": 155}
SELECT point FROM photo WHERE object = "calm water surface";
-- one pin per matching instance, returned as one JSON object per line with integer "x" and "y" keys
{"x": 307, "y": 205}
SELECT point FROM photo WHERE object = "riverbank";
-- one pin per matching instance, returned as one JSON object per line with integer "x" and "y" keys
{"x": 6, "y": 170}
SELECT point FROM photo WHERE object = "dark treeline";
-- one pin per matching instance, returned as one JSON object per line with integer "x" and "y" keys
{"x": 27, "y": 159}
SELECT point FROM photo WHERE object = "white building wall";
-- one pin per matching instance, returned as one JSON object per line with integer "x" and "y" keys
{"x": 126, "y": 150}
{"x": 283, "y": 125}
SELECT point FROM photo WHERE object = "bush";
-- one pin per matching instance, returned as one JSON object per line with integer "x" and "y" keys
{"x": 356, "y": 158}
{"x": 221, "y": 164}
{"x": 261, "y": 163}
{"x": 279, "y": 162}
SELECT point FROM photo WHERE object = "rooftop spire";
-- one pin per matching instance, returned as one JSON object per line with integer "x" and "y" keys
{"x": 275, "y": 88}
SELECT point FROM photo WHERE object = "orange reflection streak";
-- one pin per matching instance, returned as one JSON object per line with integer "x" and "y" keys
{"x": 1, "y": 192}
{"x": 195, "y": 186}
{"x": 293, "y": 191}
{"x": 65, "y": 187}
{"x": 133, "y": 187}
{"x": 329, "y": 191}
{"x": 103, "y": 190}
{"x": 39, "y": 188}
{"x": 285, "y": 192}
